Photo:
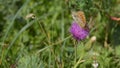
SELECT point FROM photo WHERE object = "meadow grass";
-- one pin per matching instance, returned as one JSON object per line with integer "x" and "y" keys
{"x": 36, "y": 34}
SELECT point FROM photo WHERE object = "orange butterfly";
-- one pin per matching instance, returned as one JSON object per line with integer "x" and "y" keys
{"x": 79, "y": 17}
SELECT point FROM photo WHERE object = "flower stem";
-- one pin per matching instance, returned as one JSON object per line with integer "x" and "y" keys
{"x": 78, "y": 62}
{"x": 75, "y": 46}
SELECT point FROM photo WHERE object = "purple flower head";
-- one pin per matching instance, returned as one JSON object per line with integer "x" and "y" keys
{"x": 78, "y": 32}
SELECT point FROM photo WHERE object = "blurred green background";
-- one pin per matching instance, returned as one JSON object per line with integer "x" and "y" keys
{"x": 35, "y": 34}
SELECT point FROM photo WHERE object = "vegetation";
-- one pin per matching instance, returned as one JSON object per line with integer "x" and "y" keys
{"x": 36, "y": 34}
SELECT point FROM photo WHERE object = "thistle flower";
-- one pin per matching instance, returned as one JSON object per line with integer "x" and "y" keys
{"x": 78, "y": 32}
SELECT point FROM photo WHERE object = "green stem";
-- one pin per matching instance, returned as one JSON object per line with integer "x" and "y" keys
{"x": 79, "y": 61}
{"x": 75, "y": 46}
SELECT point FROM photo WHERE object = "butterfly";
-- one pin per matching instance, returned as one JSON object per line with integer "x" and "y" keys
{"x": 79, "y": 17}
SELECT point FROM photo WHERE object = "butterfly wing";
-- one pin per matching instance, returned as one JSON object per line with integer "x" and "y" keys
{"x": 79, "y": 17}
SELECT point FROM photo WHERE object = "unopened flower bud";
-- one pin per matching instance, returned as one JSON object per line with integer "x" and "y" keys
{"x": 30, "y": 16}
{"x": 93, "y": 39}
